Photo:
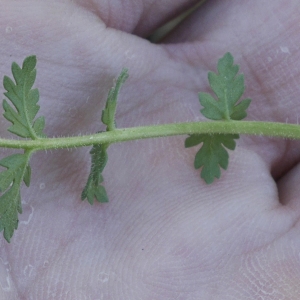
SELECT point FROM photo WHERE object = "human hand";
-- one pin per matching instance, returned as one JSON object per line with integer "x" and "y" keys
{"x": 165, "y": 234}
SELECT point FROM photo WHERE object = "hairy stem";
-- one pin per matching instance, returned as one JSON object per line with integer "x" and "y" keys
{"x": 272, "y": 129}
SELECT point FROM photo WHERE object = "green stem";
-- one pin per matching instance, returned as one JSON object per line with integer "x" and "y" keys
{"x": 272, "y": 129}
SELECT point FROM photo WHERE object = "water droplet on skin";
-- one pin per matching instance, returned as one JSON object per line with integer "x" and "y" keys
{"x": 129, "y": 54}
{"x": 28, "y": 270}
{"x": 5, "y": 275}
{"x": 285, "y": 50}
{"x": 29, "y": 216}
{"x": 103, "y": 277}
{"x": 8, "y": 29}
{"x": 45, "y": 264}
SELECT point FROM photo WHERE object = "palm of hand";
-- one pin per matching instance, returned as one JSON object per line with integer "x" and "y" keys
{"x": 165, "y": 234}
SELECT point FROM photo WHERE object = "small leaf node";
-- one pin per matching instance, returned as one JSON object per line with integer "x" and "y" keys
{"x": 108, "y": 114}
{"x": 93, "y": 188}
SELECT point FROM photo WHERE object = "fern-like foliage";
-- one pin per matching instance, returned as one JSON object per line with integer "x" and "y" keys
{"x": 93, "y": 188}
{"x": 21, "y": 113}
{"x": 228, "y": 88}
{"x": 21, "y": 108}
{"x": 24, "y": 100}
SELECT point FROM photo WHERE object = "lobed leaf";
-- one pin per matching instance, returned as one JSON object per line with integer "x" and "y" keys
{"x": 228, "y": 87}
{"x": 24, "y": 101}
{"x": 213, "y": 155}
{"x": 17, "y": 170}
{"x": 20, "y": 109}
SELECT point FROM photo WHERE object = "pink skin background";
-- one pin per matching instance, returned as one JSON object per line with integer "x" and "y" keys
{"x": 165, "y": 234}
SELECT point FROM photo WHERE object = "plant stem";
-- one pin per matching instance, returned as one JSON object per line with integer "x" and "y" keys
{"x": 272, "y": 129}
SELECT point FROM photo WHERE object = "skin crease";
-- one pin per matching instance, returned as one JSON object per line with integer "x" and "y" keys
{"x": 164, "y": 234}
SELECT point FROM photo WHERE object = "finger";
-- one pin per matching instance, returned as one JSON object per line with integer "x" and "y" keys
{"x": 139, "y": 17}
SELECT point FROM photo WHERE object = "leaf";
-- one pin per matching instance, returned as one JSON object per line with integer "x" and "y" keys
{"x": 17, "y": 170}
{"x": 228, "y": 87}
{"x": 93, "y": 188}
{"x": 108, "y": 114}
{"x": 24, "y": 101}
{"x": 21, "y": 112}
{"x": 213, "y": 155}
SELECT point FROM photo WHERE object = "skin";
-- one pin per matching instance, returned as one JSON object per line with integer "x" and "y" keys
{"x": 165, "y": 234}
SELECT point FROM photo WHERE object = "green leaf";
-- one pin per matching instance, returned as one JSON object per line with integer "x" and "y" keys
{"x": 108, "y": 114}
{"x": 20, "y": 109}
{"x": 228, "y": 88}
{"x": 213, "y": 155}
{"x": 24, "y": 101}
{"x": 17, "y": 170}
{"x": 239, "y": 110}
{"x": 93, "y": 188}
